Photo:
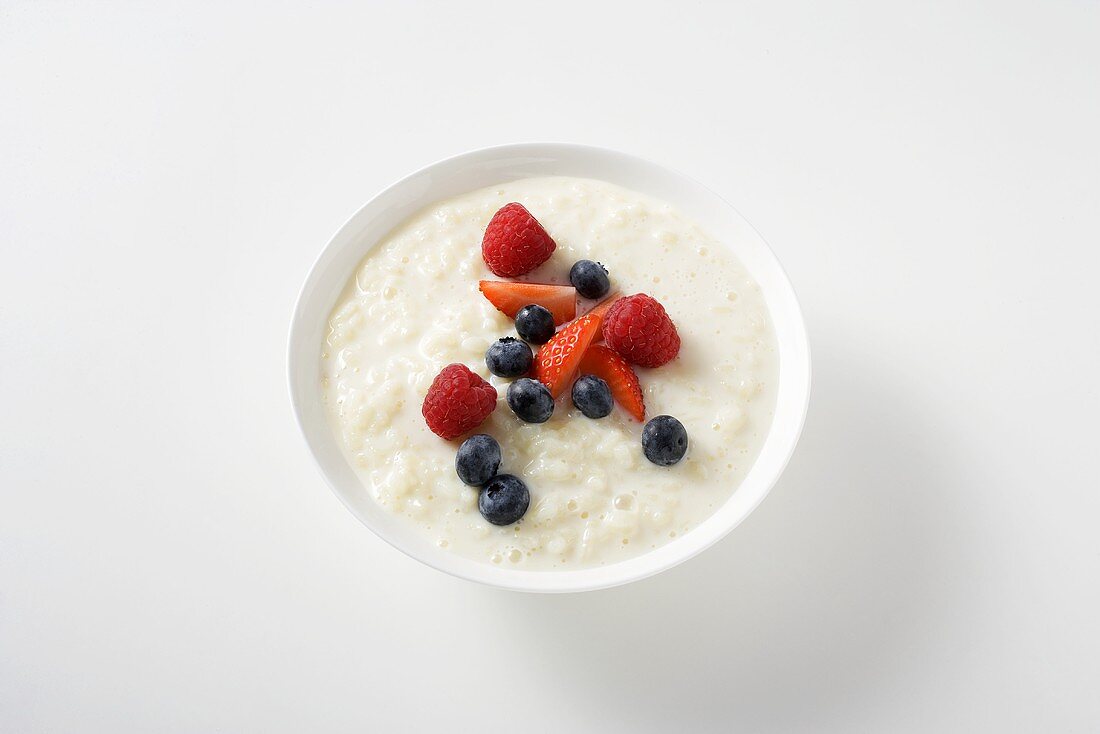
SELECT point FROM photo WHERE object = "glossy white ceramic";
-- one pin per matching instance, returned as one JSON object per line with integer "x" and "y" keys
{"x": 485, "y": 167}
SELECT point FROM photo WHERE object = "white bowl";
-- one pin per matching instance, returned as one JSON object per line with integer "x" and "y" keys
{"x": 490, "y": 166}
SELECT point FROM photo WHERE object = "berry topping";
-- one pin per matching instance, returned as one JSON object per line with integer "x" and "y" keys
{"x": 664, "y": 440}
{"x": 600, "y": 309}
{"x": 638, "y": 328}
{"x": 478, "y": 459}
{"x": 504, "y": 499}
{"x": 557, "y": 362}
{"x": 592, "y": 396}
{"x": 530, "y": 400}
{"x": 535, "y": 324}
{"x": 509, "y": 298}
{"x": 619, "y": 375}
{"x": 514, "y": 242}
{"x": 590, "y": 279}
{"x": 508, "y": 357}
{"x": 457, "y": 401}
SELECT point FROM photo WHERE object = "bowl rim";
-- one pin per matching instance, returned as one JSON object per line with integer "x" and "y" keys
{"x": 510, "y": 579}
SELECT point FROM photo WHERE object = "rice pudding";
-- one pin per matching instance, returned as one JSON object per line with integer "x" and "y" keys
{"x": 414, "y": 306}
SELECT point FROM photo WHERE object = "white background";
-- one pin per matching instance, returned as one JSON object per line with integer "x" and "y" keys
{"x": 170, "y": 559}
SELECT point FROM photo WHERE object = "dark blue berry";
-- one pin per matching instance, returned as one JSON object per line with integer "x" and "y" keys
{"x": 535, "y": 324}
{"x": 478, "y": 459}
{"x": 504, "y": 499}
{"x": 530, "y": 400}
{"x": 664, "y": 440}
{"x": 590, "y": 279}
{"x": 508, "y": 357}
{"x": 592, "y": 396}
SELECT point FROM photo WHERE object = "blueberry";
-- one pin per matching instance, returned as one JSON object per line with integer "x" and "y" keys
{"x": 590, "y": 279}
{"x": 530, "y": 400}
{"x": 478, "y": 459}
{"x": 535, "y": 324}
{"x": 504, "y": 499}
{"x": 592, "y": 396}
{"x": 664, "y": 440}
{"x": 508, "y": 357}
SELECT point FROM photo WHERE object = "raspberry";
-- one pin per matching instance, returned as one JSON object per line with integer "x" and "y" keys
{"x": 638, "y": 328}
{"x": 514, "y": 242}
{"x": 458, "y": 401}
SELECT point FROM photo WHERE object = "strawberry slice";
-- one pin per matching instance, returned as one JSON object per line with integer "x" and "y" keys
{"x": 619, "y": 376}
{"x": 601, "y": 307}
{"x": 557, "y": 362}
{"x": 510, "y": 297}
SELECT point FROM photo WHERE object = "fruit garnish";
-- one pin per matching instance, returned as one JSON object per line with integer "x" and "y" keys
{"x": 457, "y": 401}
{"x": 535, "y": 324}
{"x": 478, "y": 459}
{"x": 664, "y": 440}
{"x": 639, "y": 328}
{"x": 510, "y": 297}
{"x": 504, "y": 500}
{"x": 508, "y": 357}
{"x": 557, "y": 362}
{"x": 592, "y": 395}
{"x": 590, "y": 279}
{"x": 619, "y": 376}
{"x": 530, "y": 400}
{"x": 601, "y": 307}
{"x": 514, "y": 242}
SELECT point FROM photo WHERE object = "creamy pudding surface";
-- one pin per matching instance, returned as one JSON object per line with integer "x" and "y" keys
{"x": 413, "y": 306}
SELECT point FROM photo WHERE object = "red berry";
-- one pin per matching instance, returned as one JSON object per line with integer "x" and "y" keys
{"x": 514, "y": 242}
{"x": 638, "y": 328}
{"x": 509, "y": 298}
{"x": 458, "y": 401}
{"x": 614, "y": 370}
{"x": 557, "y": 362}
